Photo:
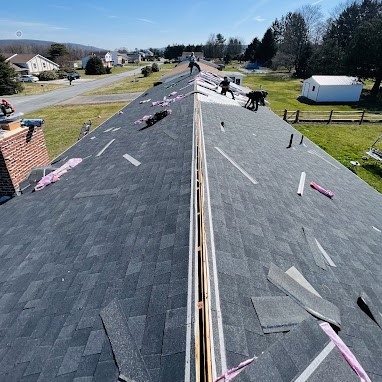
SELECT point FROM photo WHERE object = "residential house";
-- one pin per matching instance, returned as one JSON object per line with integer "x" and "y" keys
{"x": 178, "y": 251}
{"x": 106, "y": 58}
{"x": 119, "y": 58}
{"x": 134, "y": 57}
{"x": 31, "y": 63}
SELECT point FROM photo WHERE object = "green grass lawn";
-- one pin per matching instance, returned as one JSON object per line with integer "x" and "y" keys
{"x": 38, "y": 88}
{"x": 346, "y": 143}
{"x": 63, "y": 123}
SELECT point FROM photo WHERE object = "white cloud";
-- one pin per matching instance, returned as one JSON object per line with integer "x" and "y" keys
{"x": 259, "y": 19}
{"x": 113, "y": 17}
{"x": 63, "y": 7}
{"x": 28, "y": 25}
{"x": 146, "y": 21}
{"x": 317, "y": 2}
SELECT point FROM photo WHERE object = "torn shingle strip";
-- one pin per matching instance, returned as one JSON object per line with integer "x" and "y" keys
{"x": 315, "y": 363}
{"x": 132, "y": 160}
{"x": 102, "y": 151}
{"x": 297, "y": 276}
{"x": 301, "y": 184}
{"x": 329, "y": 365}
{"x": 87, "y": 194}
{"x": 236, "y": 165}
{"x": 371, "y": 306}
{"x": 317, "y": 255}
{"x": 313, "y": 152}
{"x": 279, "y": 313}
{"x": 325, "y": 254}
{"x": 317, "y": 306}
{"x": 129, "y": 360}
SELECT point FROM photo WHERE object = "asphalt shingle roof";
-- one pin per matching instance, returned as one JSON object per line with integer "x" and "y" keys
{"x": 111, "y": 229}
{"x": 255, "y": 225}
{"x": 106, "y": 230}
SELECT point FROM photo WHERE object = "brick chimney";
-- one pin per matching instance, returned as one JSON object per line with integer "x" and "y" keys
{"x": 21, "y": 149}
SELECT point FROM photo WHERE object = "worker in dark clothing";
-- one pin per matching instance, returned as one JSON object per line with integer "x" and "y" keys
{"x": 193, "y": 63}
{"x": 225, "y": 87}
{"x": 256, "y": 96}
{"x": 6, "y": 107}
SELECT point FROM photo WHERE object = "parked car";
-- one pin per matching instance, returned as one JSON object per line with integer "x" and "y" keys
{"x": 28, "y": 78}
{"x": 73, "y": 76}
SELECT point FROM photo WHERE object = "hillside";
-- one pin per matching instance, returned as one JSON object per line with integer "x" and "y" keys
{"x": 34, "y": 46}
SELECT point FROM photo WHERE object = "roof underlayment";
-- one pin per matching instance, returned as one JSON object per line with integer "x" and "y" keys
{"x": 117, "y": 234}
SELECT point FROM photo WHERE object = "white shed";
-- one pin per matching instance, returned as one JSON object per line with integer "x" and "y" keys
{"x": 236, "y": 77}
{"x": 332, "y": 89}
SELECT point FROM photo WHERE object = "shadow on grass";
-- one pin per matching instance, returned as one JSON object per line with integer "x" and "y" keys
{"x": 373, "y": 168}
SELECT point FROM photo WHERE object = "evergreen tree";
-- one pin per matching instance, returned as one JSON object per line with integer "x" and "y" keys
{"x": 267, "y": 48}
{"x": 368, "y": 40}
{"x": 9, "y": 83}
{"x": 250, "y": 53}
{"x": 57, "y": 53}
{"x": 95, "y": 66}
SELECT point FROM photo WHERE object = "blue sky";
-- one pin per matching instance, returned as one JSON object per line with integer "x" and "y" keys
{"x": 143, "y": 24}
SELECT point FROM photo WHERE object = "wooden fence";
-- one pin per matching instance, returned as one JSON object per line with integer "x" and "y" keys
{"x": 330, "y": 116}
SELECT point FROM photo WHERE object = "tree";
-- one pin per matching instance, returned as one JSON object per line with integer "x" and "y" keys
{"x": 267, "y": 48}
{"x": 9, "y": 83}
{"x": 234, "y": 47}
{"x": 57, "y": 53}
{"x": 251, "y": 51}
{"x": 210, "y": 47}
{"x": 313, "y": 21}
{"x": 368, "y": 40}
{"x": 220, "y": 40}
{"x": 332, "y": 55}
{"x": 295, "y": 43}
{"x": 95, "y": 66}
{"x": 173, "y": 52}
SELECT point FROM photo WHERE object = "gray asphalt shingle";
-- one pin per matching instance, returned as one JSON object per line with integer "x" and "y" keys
{"x": 107, "y": 229}
{"x": 112, "y": 230}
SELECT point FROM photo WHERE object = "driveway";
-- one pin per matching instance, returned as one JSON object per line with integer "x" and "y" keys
{"x": 27, "y": 104}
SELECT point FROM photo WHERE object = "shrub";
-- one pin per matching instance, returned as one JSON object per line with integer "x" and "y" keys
{"x": 95, "y": 66}
{"x": 61, "y": 73}
{"x": 146, "y": 71}
{"x": 48, "y": 75}
{"x": 155, "y": 67}
{"x": 108, "y": 70}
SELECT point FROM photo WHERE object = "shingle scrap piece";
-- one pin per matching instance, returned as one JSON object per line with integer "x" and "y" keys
{"x": 317, "y": 255}
{"x": 278, "y": 313}
{"x": 130, "y": 363}
{"x": 317, "y": 306}
{"x": 374, "y": 307}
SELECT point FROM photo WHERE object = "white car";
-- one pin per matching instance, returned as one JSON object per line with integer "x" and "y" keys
{"x": 28, "y": 78}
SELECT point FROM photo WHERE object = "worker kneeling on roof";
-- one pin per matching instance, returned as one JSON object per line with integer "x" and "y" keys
{"x": 6, "y": 107}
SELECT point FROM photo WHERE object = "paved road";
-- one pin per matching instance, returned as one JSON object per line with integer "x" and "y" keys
{"x": 27, "y": 104}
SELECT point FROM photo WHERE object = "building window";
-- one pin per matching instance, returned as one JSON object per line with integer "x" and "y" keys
{"x": 34, "y": 66}
{"x": 44, "y": 65}
{"x": 313, "y": 88}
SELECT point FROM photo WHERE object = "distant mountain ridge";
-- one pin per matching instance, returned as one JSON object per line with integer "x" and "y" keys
{"x": 47, "y": 44}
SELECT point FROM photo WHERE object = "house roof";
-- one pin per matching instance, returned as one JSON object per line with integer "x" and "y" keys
{"x": 115, "y": 238}
{"x": 24, "y": 58}
{"x": 336, "y": 80}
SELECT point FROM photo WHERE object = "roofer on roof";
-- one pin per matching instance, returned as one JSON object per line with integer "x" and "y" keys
{"x": 225, "y": 87}
{"x": 6, "y": 107}
{"x": 193, "y": 63}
